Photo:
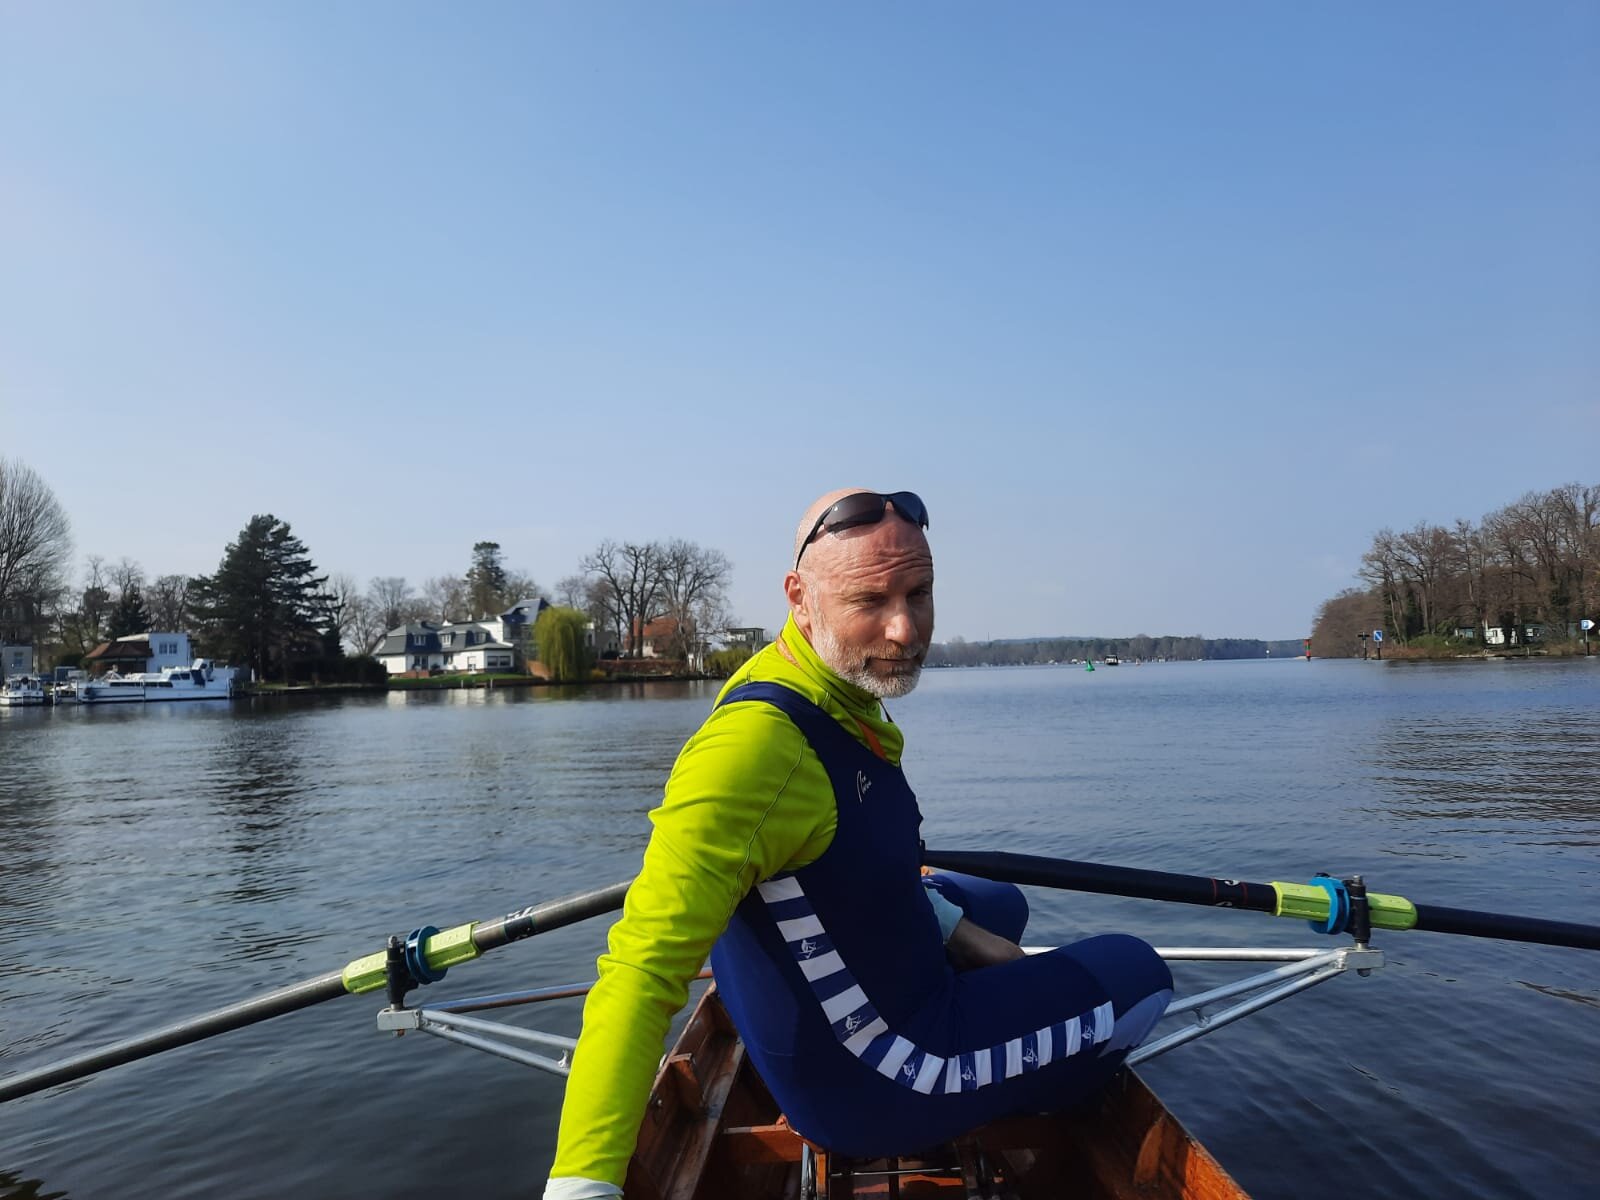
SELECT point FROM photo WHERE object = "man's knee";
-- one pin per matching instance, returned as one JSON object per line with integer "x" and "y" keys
{"x": 1127, "y": 967}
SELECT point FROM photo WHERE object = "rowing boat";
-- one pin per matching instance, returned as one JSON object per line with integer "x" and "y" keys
{"x": 713, "y": 1132}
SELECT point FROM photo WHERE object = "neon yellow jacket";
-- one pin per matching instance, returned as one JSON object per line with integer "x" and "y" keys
{"x": 746, "y": 799}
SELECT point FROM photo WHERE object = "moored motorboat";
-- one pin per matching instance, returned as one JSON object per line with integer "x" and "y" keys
{"x": 713, "y": 1132}
{"x": 20, "y": 691}
{"x": 201, "y": 681}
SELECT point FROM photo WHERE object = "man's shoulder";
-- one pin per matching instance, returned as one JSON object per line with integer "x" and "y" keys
{"x": 750, "y": 720}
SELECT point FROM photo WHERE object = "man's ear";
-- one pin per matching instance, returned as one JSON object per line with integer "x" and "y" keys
{"x": 794, "y": 589}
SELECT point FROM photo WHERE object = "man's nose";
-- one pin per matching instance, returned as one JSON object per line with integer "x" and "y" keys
{"x": 901, "y": 627}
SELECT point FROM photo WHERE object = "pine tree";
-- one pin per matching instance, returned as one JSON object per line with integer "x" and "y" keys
{"x": 265, "y": 604}
{"x": 130, "y": 616}
{"x": 486, "y": 580}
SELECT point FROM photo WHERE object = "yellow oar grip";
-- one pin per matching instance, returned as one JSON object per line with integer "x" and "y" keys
{"x": 1311, "y": 904}
{"x": 443, "y": 950}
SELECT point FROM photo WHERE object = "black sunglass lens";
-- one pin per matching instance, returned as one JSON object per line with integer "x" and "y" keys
{"x": 910, "y": 506}
{"x": 863, "y": 508}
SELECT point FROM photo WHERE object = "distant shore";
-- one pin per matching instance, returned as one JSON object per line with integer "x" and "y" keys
{"x": 1494, "y": 654}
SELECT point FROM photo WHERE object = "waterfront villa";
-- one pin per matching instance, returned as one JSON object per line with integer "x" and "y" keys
{"x": 486, "y": 644}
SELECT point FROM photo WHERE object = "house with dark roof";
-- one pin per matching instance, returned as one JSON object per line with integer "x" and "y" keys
{"x": 487, "y": 644}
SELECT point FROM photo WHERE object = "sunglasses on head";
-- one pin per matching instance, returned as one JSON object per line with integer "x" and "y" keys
{"x": 865, "y": 508}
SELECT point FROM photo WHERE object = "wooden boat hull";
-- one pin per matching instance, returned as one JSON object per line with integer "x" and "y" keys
{"x": 713, "y": 1132}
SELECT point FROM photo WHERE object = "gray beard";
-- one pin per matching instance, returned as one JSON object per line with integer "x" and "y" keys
{"x": 855, "y": 670}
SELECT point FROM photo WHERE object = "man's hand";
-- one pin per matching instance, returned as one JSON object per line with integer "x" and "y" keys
{"x": 972, "y": 946}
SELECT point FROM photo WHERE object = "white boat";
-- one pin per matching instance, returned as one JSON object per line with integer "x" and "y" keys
{"x": 202, "y": 681}
{"x": 21, "y": 690}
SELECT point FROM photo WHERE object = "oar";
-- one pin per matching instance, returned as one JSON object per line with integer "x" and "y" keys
{"x": 1308, "y": 902}
{"x": 431, "y": 953}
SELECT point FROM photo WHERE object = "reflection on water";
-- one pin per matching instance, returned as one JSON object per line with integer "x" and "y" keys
{"x": 157, "y": 862}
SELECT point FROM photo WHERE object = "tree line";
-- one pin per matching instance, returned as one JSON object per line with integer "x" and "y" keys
{"x": 268, "y": 607}
{"x": 1534, "y": 562}
{"x": 959, "y": 652}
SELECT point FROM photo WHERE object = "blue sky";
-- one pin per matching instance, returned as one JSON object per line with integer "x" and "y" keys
{"x": 1164, "y": 309}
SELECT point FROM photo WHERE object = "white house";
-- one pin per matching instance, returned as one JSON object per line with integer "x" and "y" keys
{"x": 136, "y": 652}
{"x": 15, "y": 660}
{"x": 465, "y": 646}
{"x": 487, "y": 644}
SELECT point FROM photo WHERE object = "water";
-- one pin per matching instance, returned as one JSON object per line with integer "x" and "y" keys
{"x": 155, "y": 863}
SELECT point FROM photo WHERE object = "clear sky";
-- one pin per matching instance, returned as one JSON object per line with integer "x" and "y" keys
{"x": 1164, "y": 309}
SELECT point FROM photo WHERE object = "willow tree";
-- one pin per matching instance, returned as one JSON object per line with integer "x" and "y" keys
{"x": 562, "y": 646}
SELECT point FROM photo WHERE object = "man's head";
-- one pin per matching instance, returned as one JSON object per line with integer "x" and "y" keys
{"x": 862, "y": 588}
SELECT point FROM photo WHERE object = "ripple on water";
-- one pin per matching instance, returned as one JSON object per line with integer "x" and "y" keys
{"x": 296, "y": 837}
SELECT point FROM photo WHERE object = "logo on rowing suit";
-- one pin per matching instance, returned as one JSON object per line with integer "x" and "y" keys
{"x": 1028, "y": 1056}
{"x": 852, "y": 1023}
{"x": 968, "y": 1075}
{"x": 807, "y": 947}
{"x": 863, "y": 786}
{"x": 908, "y": 1071}
{"x": 1087, "y": 1032}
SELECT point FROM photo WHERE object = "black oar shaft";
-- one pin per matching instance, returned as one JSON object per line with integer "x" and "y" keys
{"x": 1507, "y": 928}
{"x": 235, "y": 1016}
{"x": 1233, "y": 893}
{"x": 541, "y": 918}
{"x": 1108, "y": 880}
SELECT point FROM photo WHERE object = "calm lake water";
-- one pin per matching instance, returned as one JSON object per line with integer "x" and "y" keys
{"x": 158, "y": 862}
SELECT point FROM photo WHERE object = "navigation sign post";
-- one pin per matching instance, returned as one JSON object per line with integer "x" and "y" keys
{"x": 1363, "y": 638}
{"x": 1587, "y": 625}
{"x": 1377, "y": 642}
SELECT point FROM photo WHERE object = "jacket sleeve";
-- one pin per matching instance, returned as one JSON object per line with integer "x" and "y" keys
{"x": 744, "y": 800}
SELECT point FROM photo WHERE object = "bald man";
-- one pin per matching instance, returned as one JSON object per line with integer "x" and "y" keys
{"x": 886, "y": 1011}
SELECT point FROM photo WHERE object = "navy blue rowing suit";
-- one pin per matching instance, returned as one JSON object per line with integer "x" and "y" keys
{"x": 836, "y": 977}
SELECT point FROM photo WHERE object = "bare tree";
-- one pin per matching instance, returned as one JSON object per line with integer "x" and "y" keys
{"x": 35, "y": 544}
{"x": 631, "y": 573}
{"x": 694, "y": 583}
{"x": 83, "y": 627}
{"x": 168, "y": 599}
{"x": 1381, "y": 567}
{"x": 521, "y": 586}
{"x": 572, "y": 592}
{"x": 344, "y": 601}
{"x": 123, "y": 577}
{"x": 1426, "y": 555}
{"x": 1341, "y": 623}
{"x": 391, "y": 601}
{"x": 445, "y": 598}
{"x": 366, "y": 626}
